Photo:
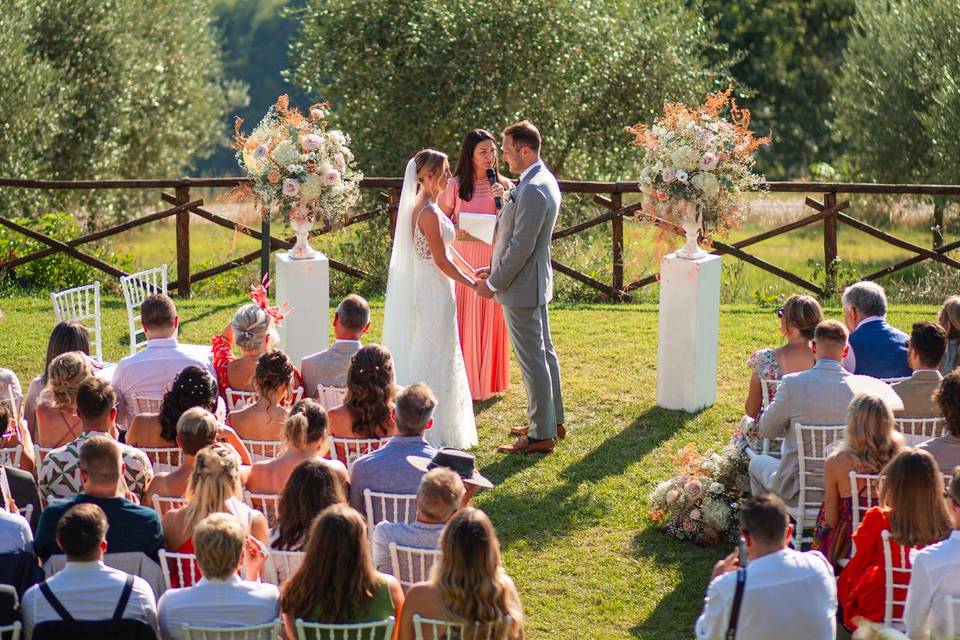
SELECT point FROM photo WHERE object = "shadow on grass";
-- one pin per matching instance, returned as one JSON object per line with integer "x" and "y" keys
{"x": 482, "y": 406}
{"x": 536, "y": 516}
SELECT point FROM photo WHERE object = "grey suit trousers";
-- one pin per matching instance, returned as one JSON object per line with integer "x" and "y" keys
{"x": 529, "y": 330}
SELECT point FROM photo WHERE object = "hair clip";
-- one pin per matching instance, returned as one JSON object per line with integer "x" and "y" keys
{"x": 258, "y": 294}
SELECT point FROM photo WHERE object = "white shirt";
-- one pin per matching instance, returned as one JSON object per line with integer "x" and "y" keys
{"x": 217, "y": 603}
{"x": 935, "y": 574}
{"x": 15, "y": 534}
{"x": 803, "y": 582}
{"x": 88, "y": 591}
{"x": 150, "y": 372}
{"x": 850, "y": 362}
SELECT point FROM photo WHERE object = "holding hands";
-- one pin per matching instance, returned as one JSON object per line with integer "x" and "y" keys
{"x": 481, "y": 287}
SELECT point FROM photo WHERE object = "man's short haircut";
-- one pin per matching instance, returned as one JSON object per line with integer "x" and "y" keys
{"x": 100, "y": 457}
{"x": 353, "y": 312}
{"x": 524, "y": 134}
{"x": 415, "y": 405}
{"x": 764, "y": 517}
{"x": 440, "y": 493}
{"x": 831, "y": 331}
{"x": 868, "y": 298}
{"x": 81, "y": 530}
{"x": 929, "y": 340}
{"x": 95, "y": 398}
{"x": 158, "y": 311}
{"x": 196, "y": 429}
{"x": 218, "y": 543}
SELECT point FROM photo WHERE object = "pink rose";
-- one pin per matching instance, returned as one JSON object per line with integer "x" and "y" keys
{"x": 291, "y": 187}
{"x": 668, "y": 175}
{"x": 693, "y": 489}
{"x": 331, "y": 177}
{"x": 708, "y": 162}
{"x": 339, "y": 162}
{"x": 310, "y": 142}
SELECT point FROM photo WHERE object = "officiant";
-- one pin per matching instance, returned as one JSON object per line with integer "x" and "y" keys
{"x": 483, "y": 332}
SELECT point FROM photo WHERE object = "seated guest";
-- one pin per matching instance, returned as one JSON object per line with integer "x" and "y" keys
{"x": 949, "y": 319}
{"x": 799, "y": 316}
{"x": 57, "y": 419}
{"x": 264, "y": 419}
{"x": 876, "y": 348}
{"x": 23, "y": 490}
{"x": 197, "y": 428}
{"x": 96, "y": 403}
{"x": 150, "y": 371}
{"x": 792, "y": 405}
{"x": 312, "y": 487}
{"x": 946, "y": 448}
{"x": 927, "y": 344}
{"x": 11, "y": 393}
{"x": 935, "y": 574}
{"x": 252, "y": 330}
{"x": 67, "y": 336}
{"x": 468, "y": 584}
{"x": 221, "y": 598}
{"x": 192, "y": 387}
{"x": 329, "y": 367}
{"x": 869, "y": 444}
{"x": 912, "y": 509}
{"x": 14, "y": 434}
{"x": 133, "y": 528}
{"x": 462, "y": 463}
{"x": 86, "y": 588}
{"x": 304, "y": 437}
{"x": 214, "y": 487}
{"x": 367, "y": 409}
{"x": 337, "y": 584}
{"x": 438, "y": 498}
{"x": 775, "y": 574}
{"x": 15, "y": 533}
{"x": 387, "y": 469}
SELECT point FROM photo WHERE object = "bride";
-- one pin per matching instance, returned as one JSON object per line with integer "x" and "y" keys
{"x": 420, "y": 314}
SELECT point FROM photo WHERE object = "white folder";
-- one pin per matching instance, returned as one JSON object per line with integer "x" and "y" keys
{"x": 478, "y": 225}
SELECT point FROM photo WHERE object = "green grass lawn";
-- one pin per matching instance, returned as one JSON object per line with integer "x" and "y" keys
{"x": 573, "y": 524}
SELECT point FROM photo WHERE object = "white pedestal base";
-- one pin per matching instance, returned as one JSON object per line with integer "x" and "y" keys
{"x": 305, "y": 286}
{"x": 688, "y": 332}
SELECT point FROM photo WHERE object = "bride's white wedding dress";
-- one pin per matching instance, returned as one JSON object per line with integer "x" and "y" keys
{"x": 420, "y": 324}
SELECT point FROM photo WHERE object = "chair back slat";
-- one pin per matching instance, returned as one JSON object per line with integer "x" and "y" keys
{"x": 238, "y": 399}
{"x": 390, "y": 507}
{"x": 812, "y": 443}
{"x": 11, "y": 631}
{"x": 265, "y": 503}
{"x": 10, "y": 456}
{"x": 380, "y": 630}
{"x": 268, "y": 631}
{"x": 768, "y": 389}
{"x": 179, "y": 569}
{"x": 136, "y": 288}
{"x": 330, "y": 397}
{"x": 162, "y": 504}
{"x": 81, "y": 304}
{"x": 431, "y": 629}
{"x": 410, "y": 565}
{"x": 864, "y": 494}
{"x": 163, "y": 459}
{"x": 895, "y": 564}
{"x": 922, "y": 427}
{"x": 263, "y": 449}
{"x": 347, "y": 450}
{"x": 145, "y": 404}
{"x": 281, "y": 565}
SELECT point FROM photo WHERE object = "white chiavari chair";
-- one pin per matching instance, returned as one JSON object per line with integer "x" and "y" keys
{"x": 179, "y": 569}
{"x": 163, "y": 459}
{"x": 263, "y": 449}
{"x": 162, "y": 504}
{"x": 347, "y": 450}
{"x": 431, "y": 629}
{"x": 238, "y": 399}
{"x": 265, "y": 503}
{"x": 921, "y": 427}
{"x": 268, "y": 631}
{"x": 895, "y": 591}
{"x": 390, "y": 507}
{"x": 81, "y": 304}
{"x": 411, "y": 565}
{"x": 136, "y": 288}
{"x": 10, "y": 456}
{"x": 812, "y": 443}
{"x": 330, "y": 397}
{"x": 281, "y": 565}
{"x": 362, "y": 631}
{"x": 11, "y": 631}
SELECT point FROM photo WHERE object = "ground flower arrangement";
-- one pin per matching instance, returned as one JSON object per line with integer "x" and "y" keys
{"x": 702, "y": 502}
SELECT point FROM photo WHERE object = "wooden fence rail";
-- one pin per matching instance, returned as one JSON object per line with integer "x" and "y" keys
{"x": 609, "y": 196}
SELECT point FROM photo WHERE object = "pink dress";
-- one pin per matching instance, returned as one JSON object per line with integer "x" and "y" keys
{"x": 483, "y": 332}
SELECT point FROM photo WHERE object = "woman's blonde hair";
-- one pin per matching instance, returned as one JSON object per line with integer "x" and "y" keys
{"x": 214, "y": 481}
{"x": 64, "y": 376}
{"x": 251, "y": 324}
{"x": 428, "y": 161}
{"x": 870, "y": 436}
{"x": 306, "y": 424}
{"x": 469, "y": 577}
{"x": 913, "y": 491}
{"x": 949, "y": 316}
{"x": 803, "y": 313}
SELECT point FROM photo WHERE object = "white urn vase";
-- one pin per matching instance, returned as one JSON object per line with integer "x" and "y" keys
{"x": 301, "y": 221}
{"x": 691, "y": 221}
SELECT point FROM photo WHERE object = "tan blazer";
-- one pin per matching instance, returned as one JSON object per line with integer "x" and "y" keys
{"x": 328, "y": 367}
{"x": 917, "y": 394}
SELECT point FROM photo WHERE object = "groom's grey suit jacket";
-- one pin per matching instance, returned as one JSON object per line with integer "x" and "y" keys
{"x": 520, "y": 269}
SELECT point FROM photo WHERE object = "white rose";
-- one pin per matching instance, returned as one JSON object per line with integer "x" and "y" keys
{"x": 685, "y": 158}
{"x": 707, "y": 183}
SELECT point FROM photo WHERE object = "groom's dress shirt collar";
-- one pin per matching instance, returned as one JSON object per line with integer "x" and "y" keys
{"x": 530, "y": 169}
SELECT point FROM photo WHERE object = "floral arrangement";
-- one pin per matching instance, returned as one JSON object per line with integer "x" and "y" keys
{"x": 702, "y": 502}
{"x": 298, "y": 164}
{"x": 699, "y": 156}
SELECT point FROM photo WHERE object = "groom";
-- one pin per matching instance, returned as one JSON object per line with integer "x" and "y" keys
{"x": 521, "y": 279}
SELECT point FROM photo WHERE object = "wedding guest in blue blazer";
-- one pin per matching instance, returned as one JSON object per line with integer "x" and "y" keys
{"x": 876, "y": 348}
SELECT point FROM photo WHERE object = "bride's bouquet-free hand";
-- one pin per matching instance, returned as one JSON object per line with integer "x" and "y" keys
{"x": 698, "y": 163}
{"x": 300, "y": 166}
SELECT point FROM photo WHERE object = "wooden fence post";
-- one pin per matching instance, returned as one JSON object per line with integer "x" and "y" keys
{"x": 393, "y": 199}
{"x": 183, "y": 243}
{"x": 830, "y": 246}
{"x": 616, "y": 203}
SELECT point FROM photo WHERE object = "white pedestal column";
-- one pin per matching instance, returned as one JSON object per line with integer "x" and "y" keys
{"x": 688, "y": 332}
{"x": 305, "y": 286}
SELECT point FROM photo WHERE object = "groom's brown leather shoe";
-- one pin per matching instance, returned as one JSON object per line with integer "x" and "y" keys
{"x": 523, "y": 445}
{"x": 523, "y": 429}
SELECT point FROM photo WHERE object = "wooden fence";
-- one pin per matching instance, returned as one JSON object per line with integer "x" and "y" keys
{"x": 829, "y": 211}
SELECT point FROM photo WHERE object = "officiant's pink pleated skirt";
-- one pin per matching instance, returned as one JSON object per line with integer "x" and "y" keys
{"x": 483, "y": 332}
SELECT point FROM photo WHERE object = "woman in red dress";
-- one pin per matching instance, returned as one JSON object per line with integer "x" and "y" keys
{"x": 483, "y": 332}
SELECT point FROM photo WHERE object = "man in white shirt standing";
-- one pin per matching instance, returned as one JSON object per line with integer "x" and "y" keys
{"x": 936, "y": 574}
{"x": 329, "y": 367}
{"x": 86, "y": 587}
{"x": 149, "y": 372}
{"x": 221, "y": 598}
{"x": 787, "y": 595}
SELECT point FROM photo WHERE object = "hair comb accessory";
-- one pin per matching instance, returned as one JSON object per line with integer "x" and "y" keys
{"x": 259, "y": 293}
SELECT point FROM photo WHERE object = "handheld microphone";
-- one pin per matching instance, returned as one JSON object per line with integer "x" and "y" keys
{"x": 492, "y": 177}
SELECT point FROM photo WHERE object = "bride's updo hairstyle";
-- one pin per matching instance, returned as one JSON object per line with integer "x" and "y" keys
{"x": 370, "y": 391}
{"x": 251, "y": 325}
{"x": 428, "y": 161}
{"x": 274, "y": 371}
